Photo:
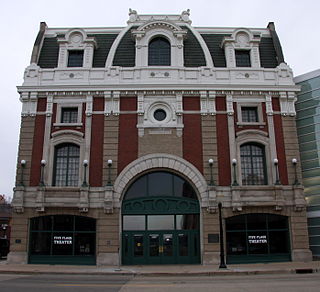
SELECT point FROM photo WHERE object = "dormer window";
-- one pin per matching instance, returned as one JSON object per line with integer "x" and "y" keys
{"x": 75, "y": 58}
{"x": 159, "y": 52}
{"x": 242, "y": 49}
{"x": 242, "y": 58}
{"x": 76, "y": 50}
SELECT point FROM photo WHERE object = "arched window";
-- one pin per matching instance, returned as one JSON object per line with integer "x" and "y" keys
{"x": 66, "y": 165}
{"x": 159, "y": 52}
{"x": 253, "y": 164}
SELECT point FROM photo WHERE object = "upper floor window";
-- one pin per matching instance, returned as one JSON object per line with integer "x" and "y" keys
{"x": 66, "y": 165}
{"x": 249, "y": 114}
{"x": 242, "y": 58}
{"x": 159, "y": 52}
{"x": 75, "y": 58}
{"x": 253, "y": 164}
{"x": 69, "y": 115}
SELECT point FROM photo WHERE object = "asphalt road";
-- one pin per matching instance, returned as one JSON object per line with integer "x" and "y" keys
{"x": 108, "y": 283}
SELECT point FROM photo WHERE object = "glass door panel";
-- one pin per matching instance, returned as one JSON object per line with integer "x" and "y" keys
{"x": 167, "y": 245}
{"x": 183, "y": 245}
{"x": 138, "y": 245}
{"x": 154, "y": 246}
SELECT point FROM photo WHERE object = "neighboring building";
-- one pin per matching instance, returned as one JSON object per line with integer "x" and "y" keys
{"x": 5, "y": 226}
{"x": 130, "y": 137}
{"x": 308, "y": 127}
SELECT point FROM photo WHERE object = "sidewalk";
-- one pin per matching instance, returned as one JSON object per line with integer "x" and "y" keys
{"x": 166, "y": 270}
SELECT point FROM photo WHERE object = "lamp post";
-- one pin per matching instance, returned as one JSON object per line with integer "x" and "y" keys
{"x": 222, "y": 262}
{"x": 294, "y": 162}
{"x": 23, "y": 164}
{"x": 85, "y": 165}
{"x": 210, "y": 161}
{"x": 43, "y": 164}
{"x": 109, "y": 172}
{"x": 234, "y": 164}
{"x": 276, "y": 164}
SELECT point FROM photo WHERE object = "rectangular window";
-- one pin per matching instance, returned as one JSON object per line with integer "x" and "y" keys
{"x": 249, "y": 114}
{"x": 75, "y": 58}
{"x": 69, "y": 115}
{"x": 242, "y": 58}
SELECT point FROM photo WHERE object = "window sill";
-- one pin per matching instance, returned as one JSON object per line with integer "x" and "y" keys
{"x": 67, "y": 124}
{"x": 251, "y": 124}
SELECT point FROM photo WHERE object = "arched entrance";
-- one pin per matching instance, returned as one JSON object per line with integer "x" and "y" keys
{"x": 160, "y": 221}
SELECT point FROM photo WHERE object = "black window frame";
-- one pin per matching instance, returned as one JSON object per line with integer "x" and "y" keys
{"x": 159, "y": 52}
{"x": 69, "y": 115}
{"x": 253, "y": 163}
{"x": 243, "y": 58}
{"x": 249, "y": 114}
{"x": 63, "y": 180}
{"x": 75, "y": 58}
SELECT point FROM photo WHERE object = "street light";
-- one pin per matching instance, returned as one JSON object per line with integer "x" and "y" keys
{"x": 234, "y": 163}
{"x": 210, "y": 161}
{"x": 276, "y": 165}
{"x": 109, "y": 172}
{"x": 43, "y": 164}
{"x": 23, "y": 164}
{"x": 294, "y": 162}
{"x": 85, "y": 165}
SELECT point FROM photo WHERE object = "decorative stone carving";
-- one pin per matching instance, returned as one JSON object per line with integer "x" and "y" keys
{"x": 84, "y": 200}
{"x": 279, "y": 198}
{"x": 108, "y": 200}
{"x": 18, "y": 198}
{"x": 212, "y": 200}
{"x": 107, "y": 103}
{"x": 236, "y": 200}
{"x": 89, "y": 106}
{"x": 39, "y": 203}
{"x": 230, "y": 110}
{"x": 269, "y": 109}
{"x": 299, "y": 200}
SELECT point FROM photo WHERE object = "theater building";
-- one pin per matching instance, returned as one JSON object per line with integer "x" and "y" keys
{"x": 130, "y": 137}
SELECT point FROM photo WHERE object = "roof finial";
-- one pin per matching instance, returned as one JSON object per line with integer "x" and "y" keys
{"x": 185, "y": 15}
{"x": 132, "y": 15}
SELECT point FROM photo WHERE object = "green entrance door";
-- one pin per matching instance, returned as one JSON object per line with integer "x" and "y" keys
{"x": 161, "y": 247}
{"x": 160, "y": 221}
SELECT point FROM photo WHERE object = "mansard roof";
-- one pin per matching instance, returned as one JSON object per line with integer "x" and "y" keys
{"x": 119, "y": 46}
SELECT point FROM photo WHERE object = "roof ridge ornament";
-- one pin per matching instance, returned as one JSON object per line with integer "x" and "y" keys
{"x": 139, "y": 19}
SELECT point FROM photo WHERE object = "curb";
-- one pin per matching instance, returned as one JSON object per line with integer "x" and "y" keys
{"x": 169, "y": 274}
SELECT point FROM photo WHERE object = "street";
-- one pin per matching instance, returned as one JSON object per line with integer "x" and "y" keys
{"x": 65, "y": 282}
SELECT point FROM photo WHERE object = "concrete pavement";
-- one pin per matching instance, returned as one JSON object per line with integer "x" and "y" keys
{"x": 162, "y": 270}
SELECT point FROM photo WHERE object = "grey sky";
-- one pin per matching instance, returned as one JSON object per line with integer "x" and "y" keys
{"x": 297, "y": 24}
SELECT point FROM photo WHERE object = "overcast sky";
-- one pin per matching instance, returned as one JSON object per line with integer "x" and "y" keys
{"x": 297, "y": 24}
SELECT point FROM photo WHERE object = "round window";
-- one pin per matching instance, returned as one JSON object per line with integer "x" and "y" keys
{"x": 159, "y": 114}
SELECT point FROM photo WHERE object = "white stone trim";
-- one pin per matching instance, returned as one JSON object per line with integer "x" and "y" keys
{"x": 257, "y": 105}
{"x": 161, "y": 161}
{"x": 61, "y": 137}
{"x": 61, "y": 105}
{"x": 146, "y": 32}
{"x": 259, "y": 137}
